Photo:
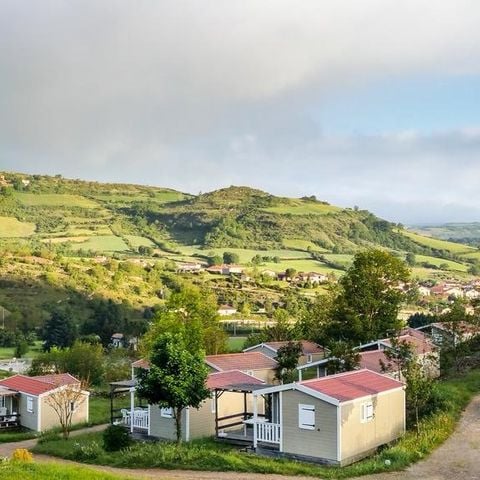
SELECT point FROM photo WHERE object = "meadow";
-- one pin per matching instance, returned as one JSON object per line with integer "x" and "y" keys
{"x": 456, "y": 248}
{"x": 55, "y": 200}
{"x": 11, "y": 227}
{"x": 298, "y": 207}
{"x": 103, "y": 243}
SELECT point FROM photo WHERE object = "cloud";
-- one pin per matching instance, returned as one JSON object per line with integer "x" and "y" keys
{"x": 199, "y": 94}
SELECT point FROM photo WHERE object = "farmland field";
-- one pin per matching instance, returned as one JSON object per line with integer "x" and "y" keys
{"x": 55, "y": 200}
{"x": 298, "y": 244}
{"x": 103, "y": 243}
{"x": 453, "y": 247}
{"x": 440, "y": 261}
{"x": 137, "y": 241}
{"x": 343, "y": 259}
{"x": 301, "y": 265}
{"x": 11, "y": 227}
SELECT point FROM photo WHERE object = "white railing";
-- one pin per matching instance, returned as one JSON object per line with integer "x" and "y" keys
{"x": 140, "y": 419}
{"x": 268, "y": 432}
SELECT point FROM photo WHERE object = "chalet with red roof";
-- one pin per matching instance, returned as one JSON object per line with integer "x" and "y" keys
{"x": 24, "y": 401}
{"x": 311, "y": 352}
{"x": 337, "y": 419}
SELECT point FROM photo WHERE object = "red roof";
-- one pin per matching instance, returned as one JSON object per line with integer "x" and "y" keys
{"x": 142, "y": 363}
{"x": 307, "y": 346}
{"x": 417, "y": 340}
{"x": 371, "y": 360}
{"x": 352, "y": 385}
{"x": 231, "y": 378}
{"x": 240, "y": 361}
{"x": 37, "y": 385}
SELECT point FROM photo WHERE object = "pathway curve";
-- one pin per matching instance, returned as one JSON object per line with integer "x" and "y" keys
{"x": 457, "y": 459}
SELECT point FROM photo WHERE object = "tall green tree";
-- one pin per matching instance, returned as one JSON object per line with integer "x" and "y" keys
{"x": 370, "y": 298}
{"x": 191, "y": 312}
{"x": 176, "y": 378}
{"x": 287, "y": 362}
{"x": 343, "y": 358}
{"x": 60, "y": 330}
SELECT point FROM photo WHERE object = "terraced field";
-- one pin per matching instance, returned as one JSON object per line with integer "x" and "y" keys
{"x": 303, "y": 208}
{"x": 103, "y": 243}
{"x": 430, "y": 242}
{"x": 55, "y": 200}
{"x": 11, "y": 227}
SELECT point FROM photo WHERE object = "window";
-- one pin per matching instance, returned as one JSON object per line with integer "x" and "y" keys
{"x": 166, "y": 412}
{"x": 30, "y": 404}
{"x": 367, "y": 412}
{"x": 306, "y": 416}
{"x": 72, "y": 406}
{"x": 309, "y": 358}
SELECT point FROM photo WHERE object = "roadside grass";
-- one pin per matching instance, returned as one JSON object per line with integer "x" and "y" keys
{"x": 209, "y": 455}
{"x": 11, "y": 227}
{"x": 431, "y": 242}
{"x": 14, "y": 470}
{"x": 16, "y": 435}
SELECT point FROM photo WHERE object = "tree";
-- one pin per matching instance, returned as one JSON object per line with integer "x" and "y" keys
{"x": 398, "y": 357}
{"x": 108, "y": 318}
{"x": 343, "y": 358}
{"x": 230, "y": 258}
{"x": 410, "y": 259}
{"x": 59, "y": 331}
{"x": 176, "y": 377}
{"x": 193, "y": 313}
{"x": 21, "y": 347}
{"x": 64, "y": 401}
{"x": 287, "y": 362}
{"x": 370, "y": 297}
{"x": 290, "y": 273}
{"x": 214, "y": 260}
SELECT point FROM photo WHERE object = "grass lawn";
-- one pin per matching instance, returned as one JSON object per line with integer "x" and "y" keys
{"x": 235, "y": 344}
{"x": 16, "y": 435}
{"x": 9, "y": 352}
{"x": 453, "y": 247}
{"x": 209, "y": 455}
{"x": 50, "y": 471}
{"x": 103, "y": 243}
{"x": 55, "y": 200}
{"x": 11, "y": 227}
{"x": 100, "y": 408}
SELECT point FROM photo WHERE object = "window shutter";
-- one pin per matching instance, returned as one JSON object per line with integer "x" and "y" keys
{"x": 367, "y": 411}
{"x": 306, "y": 416}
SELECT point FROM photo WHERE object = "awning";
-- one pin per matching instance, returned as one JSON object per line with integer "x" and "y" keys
{"x": 6, "y": 392}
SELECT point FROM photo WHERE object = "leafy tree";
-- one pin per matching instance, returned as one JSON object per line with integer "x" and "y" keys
{"x": 290, "y": 273}
{"x": 398, "y": 357}
{"x": 369, "y": 300}
{"x": 21, "y": 347}
{"x": 230, "y": 258}
{"x": 287, "y": 360}
{"x": 193, "y": 313}
{"x": 176, "y": 377}
{"x": 59, "y": 331}
{"x": 215, "y": 260}
{"x": 410, "y": 259}
{"x": 419, "y": 319}
{"x": 343, "y": 358}
{"x": 108, "y": 317}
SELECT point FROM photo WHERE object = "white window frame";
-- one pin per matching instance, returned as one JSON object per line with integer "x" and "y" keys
{"x": 309, "y": 358}
{"x": 367, "y": 412}
{"x": 212, "y": 401}
{"x": 30, "y": 404}
{"x": 166, "y": 412}
{"x": 303, "y": 423}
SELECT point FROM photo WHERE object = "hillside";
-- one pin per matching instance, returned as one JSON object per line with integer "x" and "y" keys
{"x": 468, "y": 233}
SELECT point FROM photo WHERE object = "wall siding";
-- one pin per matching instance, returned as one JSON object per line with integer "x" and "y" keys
{"x": 49, "y": 418}
{"x": 319, "y": 443}
{"x": 358, "y": 439}
{"x": 28, "y": 420}
{"x": 164, "y": 428}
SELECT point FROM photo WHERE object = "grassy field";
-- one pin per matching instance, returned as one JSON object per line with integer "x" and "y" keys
{"x": 302, "y": 245}
{"x": 11, "y": 227}
{"x": 298, "y": 207}
{"x": 158, "y": 197}
{"x": 235, "y": 344}
{"x": 209, "y": 455}
{"x": 475, "y": 255}
{"x": 34, "y": 351}
{"x": 51, "y": 471}
{"x": 137, "y": 241}
{"x": 55, "y": 200}
{"x": 455, "y": 266}
{"x": 307, "y": 265}
{"x": 453, "y": 247}
{"x": 103, "y": 243}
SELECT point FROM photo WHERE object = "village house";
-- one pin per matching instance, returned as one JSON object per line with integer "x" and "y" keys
{"x": 117, "y": 340}
{"x": 24, "y": 401}
{"x": 423, "y": 291}
{"x": 189, "y": 267}
{"x": 311, "y": 352}
{"x": 225, "y": 310}
{"x": 450, "y": 332}
{"x": 312, "y": 277}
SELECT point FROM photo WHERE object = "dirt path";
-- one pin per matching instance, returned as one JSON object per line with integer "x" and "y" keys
{"x": 457, "y": 459}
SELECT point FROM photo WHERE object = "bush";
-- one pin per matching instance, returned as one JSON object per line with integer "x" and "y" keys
{"x": 22, "y": 455}
{"x": 86, "y": 452}
{"x": 115, "y": 438}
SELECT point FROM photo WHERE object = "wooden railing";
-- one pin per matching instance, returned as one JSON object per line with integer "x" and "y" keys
{"x": 140, "y": 419}
{"x": 268, "y": 432}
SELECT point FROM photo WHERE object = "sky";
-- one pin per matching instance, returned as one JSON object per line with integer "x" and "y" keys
{"x": 374, "y": 103}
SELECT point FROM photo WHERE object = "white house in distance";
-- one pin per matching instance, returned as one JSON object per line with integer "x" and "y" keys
{"x": 225, "y": 310}
{"x": 24, "y": 401}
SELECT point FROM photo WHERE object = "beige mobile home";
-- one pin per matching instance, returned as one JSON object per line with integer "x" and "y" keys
{"x": 337, "y": 419}
{"x": 24, "y": 401}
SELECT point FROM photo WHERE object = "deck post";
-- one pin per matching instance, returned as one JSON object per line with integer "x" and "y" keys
{"x": 111, "y": 404}
{"x": 255, "y": 417}
{"x": 132, "y": 407}
{"x": 300, "y": 374}
{"x": 216, "y": 412}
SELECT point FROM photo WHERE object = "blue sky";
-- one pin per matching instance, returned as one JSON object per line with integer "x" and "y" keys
{"x": 371, "y": 103}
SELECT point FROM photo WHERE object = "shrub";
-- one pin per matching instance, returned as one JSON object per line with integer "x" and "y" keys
{"x": 22, "y": 455}
{"x": 116, "y": 437}
{"x": 88, "y": 451}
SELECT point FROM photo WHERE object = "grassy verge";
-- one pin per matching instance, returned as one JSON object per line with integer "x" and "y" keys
{"x": 47, "y": 471}
{"x": 16, "y": 435}
{"x": 208, "y": 455}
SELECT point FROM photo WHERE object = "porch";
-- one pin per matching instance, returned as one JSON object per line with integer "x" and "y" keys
{"x": 9, "y": 418}
{"x": 257, "y": 425}
{"x": 136, "y": 417}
